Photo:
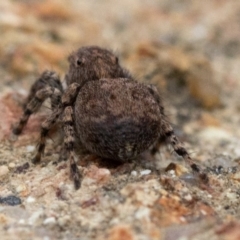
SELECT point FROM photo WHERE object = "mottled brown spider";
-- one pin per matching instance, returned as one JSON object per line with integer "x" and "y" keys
{"x": 103, "y": 110}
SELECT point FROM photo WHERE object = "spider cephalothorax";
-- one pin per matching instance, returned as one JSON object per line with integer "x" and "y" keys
{"x": 93, "y": 63}
{"x": 103, "y": 110}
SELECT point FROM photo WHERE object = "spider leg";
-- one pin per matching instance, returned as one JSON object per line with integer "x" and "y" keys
{"x": 45, "y": 127}
{"x": 168, "y": 132}
{"x": 47, "y": 85}
{"x": 47, "y": 78}
{"x": 35, "y": 103}
{"x": 69, "y": 144}
{"x": 68, "y": 100}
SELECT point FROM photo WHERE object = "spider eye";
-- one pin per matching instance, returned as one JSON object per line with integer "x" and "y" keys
{"x": 79, "y": 62}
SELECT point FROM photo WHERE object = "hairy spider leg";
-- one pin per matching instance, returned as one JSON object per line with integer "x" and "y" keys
{"x": 66, "y": 110}
{"x": 46, "y": 86}
{"x": 45, "y": 128}
{"x": 34, "y": 105}
{"x": 168, "y": 132}
{"x": 47, "y": 78}
{"x": 68, "y": 100}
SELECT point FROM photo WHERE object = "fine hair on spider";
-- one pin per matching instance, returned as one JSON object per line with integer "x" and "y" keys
{"x": 103, "y": 110}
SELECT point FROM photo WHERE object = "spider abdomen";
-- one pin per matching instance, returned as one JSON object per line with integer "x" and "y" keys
{"x": 117, "y": 118}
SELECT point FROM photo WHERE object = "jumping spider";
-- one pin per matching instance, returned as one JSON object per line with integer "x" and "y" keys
{"x": 103, "y": 110}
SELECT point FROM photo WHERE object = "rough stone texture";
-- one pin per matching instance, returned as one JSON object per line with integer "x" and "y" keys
{"x": 191, "y": 51}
